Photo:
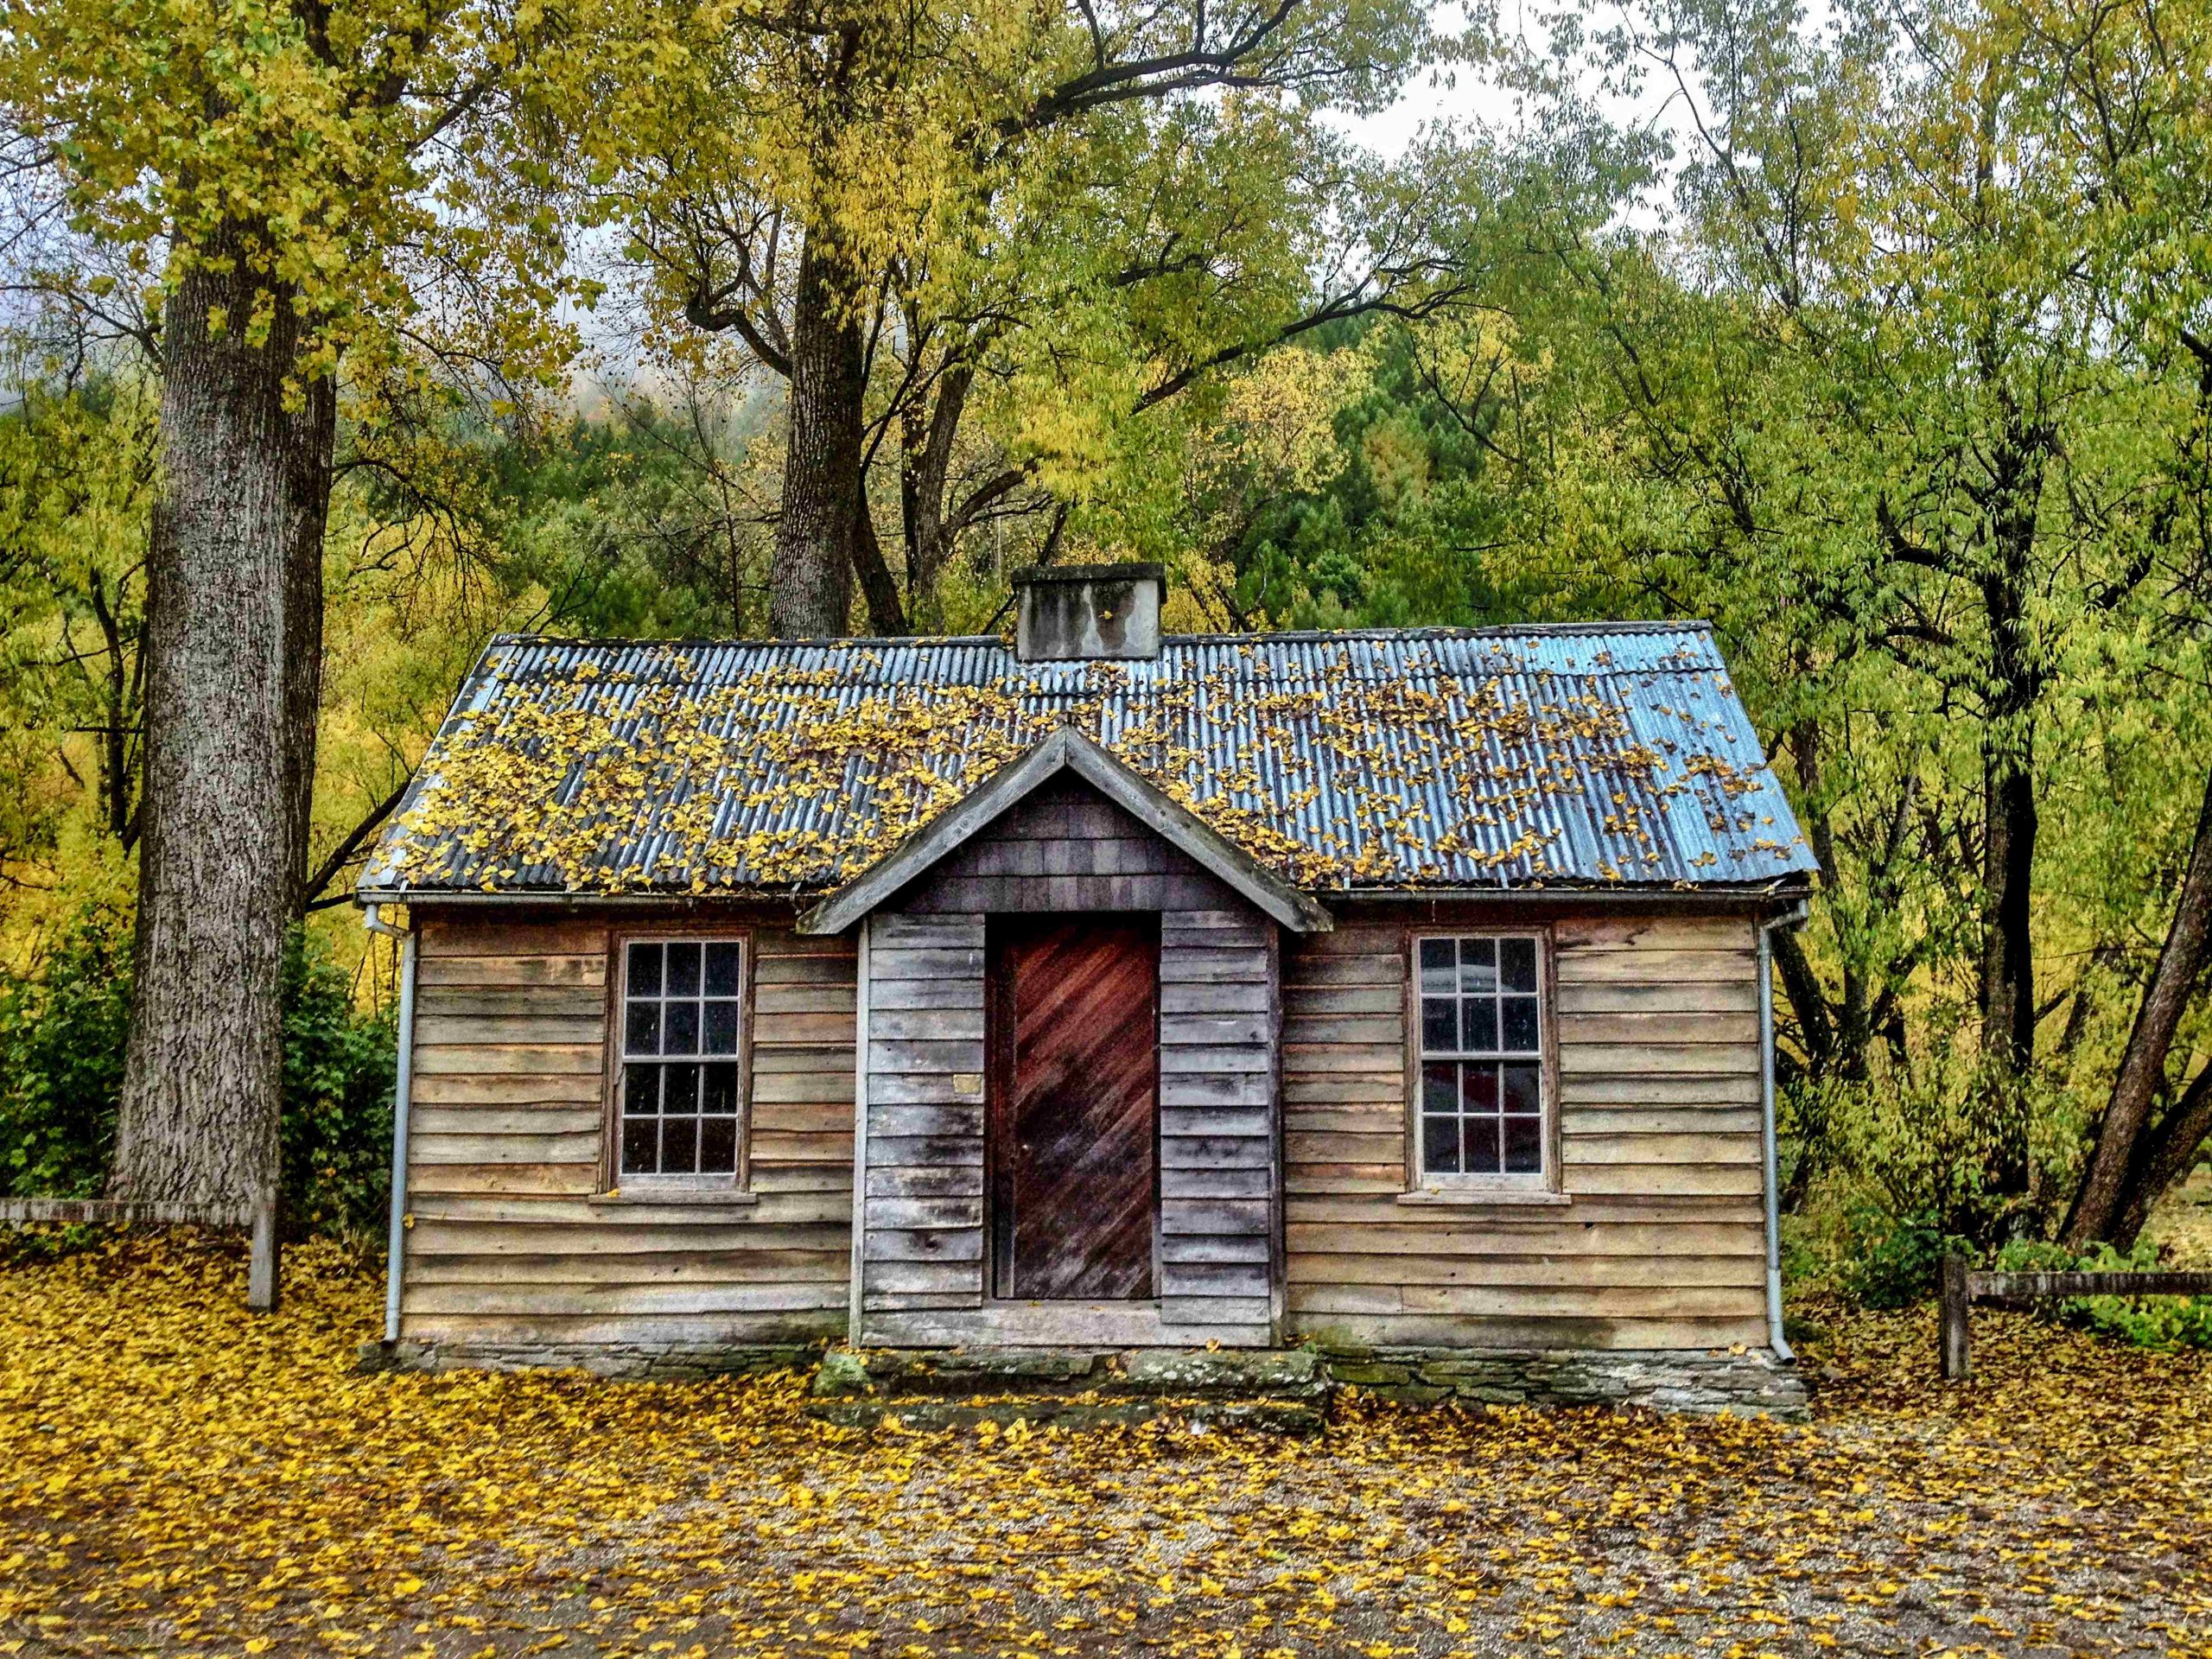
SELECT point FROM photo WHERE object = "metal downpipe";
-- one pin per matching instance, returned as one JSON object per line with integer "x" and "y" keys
{"x": 1769, "y": 1146}
{"x": 402, "y": 1097}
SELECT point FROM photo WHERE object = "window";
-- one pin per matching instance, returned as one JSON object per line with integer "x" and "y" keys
{"x": 1482, "y": 1084}
{"x": 681, "y": 1092}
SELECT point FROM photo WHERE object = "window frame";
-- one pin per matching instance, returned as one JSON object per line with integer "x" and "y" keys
{"x": 1419, "y": 1180}
{"x": 611, "y": 1180}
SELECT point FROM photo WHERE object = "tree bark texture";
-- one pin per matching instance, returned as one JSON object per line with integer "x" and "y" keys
{"x": 233, "y": 637}
{"x": 811, "y": 572}
{"x": 2119, "y": 1162}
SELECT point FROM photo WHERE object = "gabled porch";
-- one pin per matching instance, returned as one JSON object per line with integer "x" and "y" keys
{"x": 1067, "y": 1131}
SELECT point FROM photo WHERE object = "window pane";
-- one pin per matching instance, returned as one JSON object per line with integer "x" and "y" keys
{"x": 1517, "y": 960}
{"x": 1440, "y": 1145}
{"x": 645, "y": 969}
{"x": 1524, "y": 1146}
{"x": 1478, "y": 964}
{"x": 721, "y": 1029}
{"x": 1436, "y": 965}
{"x": 721, "y": 1092}
{"x": 1482, "y": 1025}
{"x": 1478, "y": 1088}
{"x": 641, "y": 1029}
{"x": 1440, "y": 1089}
{"x": 682, "y": 971}
{"x": 1520, "y": 1023}
{"x": 640, "y": 1146}
{"x": 1439, "y": 1025}
{"x": 718, "y": 1146}
{"x": 679, "y": 1146}
{"x": 1482, "y": 1146}
{"x": 679, "y": 1089}
{"x": 1522, "y": 1093}
{"x": 640, "y": 1090}
{"x": 722, "y": 971}
{"x": 680, "y": 1031}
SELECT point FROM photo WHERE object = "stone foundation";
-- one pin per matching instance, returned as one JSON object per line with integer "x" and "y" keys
{"x": 631, "y": 1361}
{"x": 859, "y": 1387}
{"x": 1703, "y": 1381}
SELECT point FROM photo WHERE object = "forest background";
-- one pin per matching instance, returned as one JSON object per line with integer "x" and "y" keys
{"x": 1879, "y": 336}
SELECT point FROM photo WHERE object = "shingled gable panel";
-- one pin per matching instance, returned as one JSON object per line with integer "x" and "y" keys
{"x": 1065, "y": 751}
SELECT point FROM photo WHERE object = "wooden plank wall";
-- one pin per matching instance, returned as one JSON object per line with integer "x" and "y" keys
{"x": 1217, "y": 1164}
{"x": 510, "y": 1242}
{"x": 1663, "y": 1243}
{"x": 921, "y": 1246}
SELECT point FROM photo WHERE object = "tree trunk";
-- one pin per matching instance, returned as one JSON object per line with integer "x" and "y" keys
{"x": 926, "y": 436}
{"x": 2169, "y": 1153}
{"x": 810, "y": 572}
{"x": 313, "y": 452}
{"x": 886, "y": 615}
{"x": 2008, "y": 1002}
{"x": 2010, "y": 820}
{"x": 245, "y": 485}
{"x": 2142, "y": 1074}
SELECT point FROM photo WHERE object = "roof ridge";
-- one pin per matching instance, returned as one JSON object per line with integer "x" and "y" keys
{"x": 910, "y": 642}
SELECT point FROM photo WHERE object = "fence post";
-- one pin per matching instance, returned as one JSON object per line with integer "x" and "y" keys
{"x": 1955, "y": 1301}
{"x": 261, "y": 1266}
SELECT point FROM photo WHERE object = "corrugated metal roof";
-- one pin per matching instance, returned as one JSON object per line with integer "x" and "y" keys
{"x": 1601, "y": 756}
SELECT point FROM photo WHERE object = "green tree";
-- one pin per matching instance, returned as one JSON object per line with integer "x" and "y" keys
{"x": 1055, "y": 219}
{"x": 285, "y": 181}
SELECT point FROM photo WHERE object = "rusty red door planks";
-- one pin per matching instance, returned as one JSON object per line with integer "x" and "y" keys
{"x": 1075, "y": 1108}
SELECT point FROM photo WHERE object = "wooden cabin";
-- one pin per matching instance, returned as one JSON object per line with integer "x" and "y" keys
{"x": 1402, "y": 993}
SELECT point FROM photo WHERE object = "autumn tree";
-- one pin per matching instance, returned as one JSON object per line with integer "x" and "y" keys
{"x": 2131, "y": 88}
{"x": 1064, "y": 216}
{"x": 284, "y": 180}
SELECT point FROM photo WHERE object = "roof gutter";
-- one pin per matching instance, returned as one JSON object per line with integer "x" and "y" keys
{"x": 1638, "y": 898}
{"x": 1792, "y": 916}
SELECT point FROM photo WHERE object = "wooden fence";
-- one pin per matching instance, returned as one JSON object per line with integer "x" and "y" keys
{"x": 1963, "y": 1286}
{"x": 257, "y": 1219}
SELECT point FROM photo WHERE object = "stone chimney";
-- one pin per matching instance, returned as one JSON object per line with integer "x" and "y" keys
{"x": 1087, "y": 612}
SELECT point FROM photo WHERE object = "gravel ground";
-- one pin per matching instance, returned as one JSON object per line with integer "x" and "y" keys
{"x": 177, "y": 1477}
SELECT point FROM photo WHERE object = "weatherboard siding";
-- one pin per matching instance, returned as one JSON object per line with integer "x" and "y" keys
{"x": 508, "y": 1239}
{"x": 1282, "y": 1164}
{"x": 1655, "y": 1039}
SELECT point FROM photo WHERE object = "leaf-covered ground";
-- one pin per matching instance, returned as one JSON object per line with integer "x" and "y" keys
{"x": 176, "y": 1476}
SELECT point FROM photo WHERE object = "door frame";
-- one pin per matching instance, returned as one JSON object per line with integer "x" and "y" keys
{"x": 998, "y": 1094}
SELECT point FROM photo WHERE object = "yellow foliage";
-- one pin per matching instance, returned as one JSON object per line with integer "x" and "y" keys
{"x": 177, "y": 1475}
{"x": 787, "y": 776}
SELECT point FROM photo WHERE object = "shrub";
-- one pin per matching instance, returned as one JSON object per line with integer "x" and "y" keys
{"x": 341, "y": 1065}
{"x": 61, "y": 1032}
{"x": 62, "y": 1027}
{"x": 2145, "y": 1321}
{"x": 1894, "y": 1258}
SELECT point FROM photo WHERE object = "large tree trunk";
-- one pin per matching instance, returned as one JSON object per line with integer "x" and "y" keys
{"x": 2119, "y": 1163}
{"x": 229, "y": 684}
{"x": 811, "y": 574}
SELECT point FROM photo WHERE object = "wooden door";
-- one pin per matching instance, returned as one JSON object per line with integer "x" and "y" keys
{"x": 1075, "y": 1107}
